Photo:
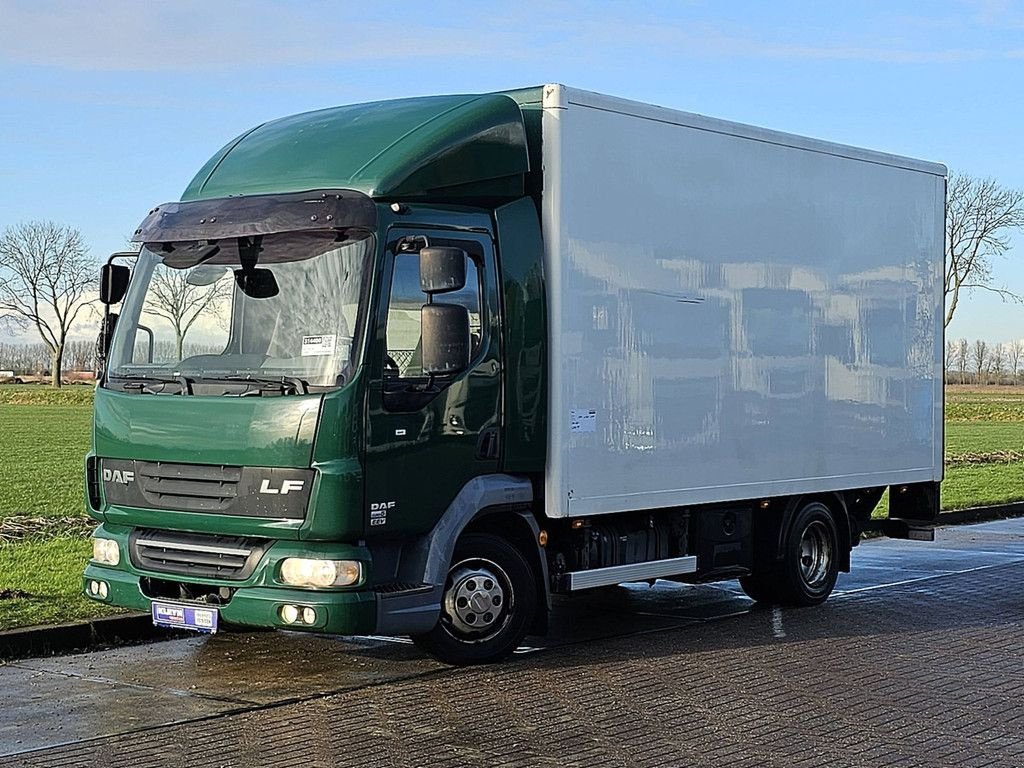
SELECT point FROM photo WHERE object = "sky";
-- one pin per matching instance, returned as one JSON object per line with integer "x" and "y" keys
{"x": 108, "y": 108}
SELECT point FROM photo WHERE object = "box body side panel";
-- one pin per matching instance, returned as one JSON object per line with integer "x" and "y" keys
{"x": 732, "y": 318}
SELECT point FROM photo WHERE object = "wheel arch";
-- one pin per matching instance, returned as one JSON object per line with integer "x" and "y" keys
{"x": 499, "y": 504}
{"x": 520, "y": 528}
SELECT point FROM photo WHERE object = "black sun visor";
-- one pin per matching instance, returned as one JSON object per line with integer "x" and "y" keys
{"x": 244, "y": 216}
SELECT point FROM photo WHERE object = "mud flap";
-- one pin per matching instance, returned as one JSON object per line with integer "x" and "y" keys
{"x": 913, "y": 512}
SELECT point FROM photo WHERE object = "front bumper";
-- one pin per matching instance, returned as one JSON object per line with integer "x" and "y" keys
{"x": 256, "y": 601}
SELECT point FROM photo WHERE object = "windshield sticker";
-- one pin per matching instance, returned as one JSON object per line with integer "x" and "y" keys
{"x": 318, "y": 345}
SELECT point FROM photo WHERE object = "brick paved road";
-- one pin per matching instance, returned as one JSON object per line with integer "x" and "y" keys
{"x": 920, "y": 662}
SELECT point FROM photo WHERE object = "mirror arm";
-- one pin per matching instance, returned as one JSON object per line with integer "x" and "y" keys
{"x": 149, "y": 333}
{"x": 103, "y": 347}
{"x": 122, "y": 255}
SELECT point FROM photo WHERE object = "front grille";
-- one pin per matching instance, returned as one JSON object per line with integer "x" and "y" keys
{"x": 193, "y": 554}
{"x": 188, "y": 487}
{"x": 277, "y": 493}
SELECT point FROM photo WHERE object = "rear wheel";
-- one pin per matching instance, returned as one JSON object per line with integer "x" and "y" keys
{"x": 807, "y": 572}
{"x": 810, "y": 563}
{"x": 489, "y": 601}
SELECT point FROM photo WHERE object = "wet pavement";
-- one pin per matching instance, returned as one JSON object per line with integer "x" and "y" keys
{"x": 918, "y": 659}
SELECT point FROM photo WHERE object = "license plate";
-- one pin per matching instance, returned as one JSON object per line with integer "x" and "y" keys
{"x": 185, "y": 617}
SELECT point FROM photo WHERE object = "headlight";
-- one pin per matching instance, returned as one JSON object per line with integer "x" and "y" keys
{"x": 106, "y": 551}
{"x": 304, "y": 572}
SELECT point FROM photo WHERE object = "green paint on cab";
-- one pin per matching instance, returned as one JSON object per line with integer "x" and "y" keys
{"x": 407, "y": 148}
{"x": 236, "y": 431}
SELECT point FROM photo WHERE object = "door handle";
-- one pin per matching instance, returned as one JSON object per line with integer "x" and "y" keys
{"x": 487, "y": 444}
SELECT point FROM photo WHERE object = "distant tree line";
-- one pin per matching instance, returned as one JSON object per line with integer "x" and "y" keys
{"x": 36, "y": 359}
{"x": 979, "y": 362}
{"x": 80, "y": 355}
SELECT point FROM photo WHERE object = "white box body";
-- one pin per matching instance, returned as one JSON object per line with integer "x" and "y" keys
{"x": 734, "y": 313}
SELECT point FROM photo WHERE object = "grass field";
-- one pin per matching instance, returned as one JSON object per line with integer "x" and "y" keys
{"x": 47, "y": 435}
{"x": 986, "y": 426}
{"x": 50, "y": 595}
{"x": 44, "y": 451}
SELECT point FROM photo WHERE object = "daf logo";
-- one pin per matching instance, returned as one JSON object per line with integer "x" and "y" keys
{"x": 379, "y": 511}
{"x": 123, "y": 476}
{"x": 287, "y": 486}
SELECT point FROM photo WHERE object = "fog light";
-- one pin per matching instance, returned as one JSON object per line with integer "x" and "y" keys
{"x": 308, "y": 615}
{"x": 94, "y": 587}
{"x": 103, "y": 590}
{"x": 307, "y": 572}
{"x": 289, "y": 613}
{"x": 106, "y": 551}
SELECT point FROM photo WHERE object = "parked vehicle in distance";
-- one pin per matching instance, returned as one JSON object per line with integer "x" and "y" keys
{"x": 411, "y": 367}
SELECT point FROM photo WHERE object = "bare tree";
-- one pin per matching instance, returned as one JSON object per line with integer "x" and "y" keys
{"x": 46, "y": 278}
{"x": 980, "y": 217}
{"x": 172, "y": 297}
{"x": 951, "y": 361}
{"x": 962, "y": 355}
{"x": 980, "y": 355}
{"x": 1015, "y": 350}
{"x": 996, "y": 362}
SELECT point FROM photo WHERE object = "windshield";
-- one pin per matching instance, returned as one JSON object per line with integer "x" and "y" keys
{"x": 284, "y": 308}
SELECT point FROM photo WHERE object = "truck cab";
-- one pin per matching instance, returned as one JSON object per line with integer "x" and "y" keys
{"x": 290, "y": 403}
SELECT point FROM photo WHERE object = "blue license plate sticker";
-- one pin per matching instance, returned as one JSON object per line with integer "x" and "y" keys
{"x": 185, "y": 617}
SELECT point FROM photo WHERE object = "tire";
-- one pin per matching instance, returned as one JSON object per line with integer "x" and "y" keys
{"x": 489, "y": 601}
{"x": 809, "y": 567}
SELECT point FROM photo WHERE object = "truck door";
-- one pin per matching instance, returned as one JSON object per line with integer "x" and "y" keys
{"x": 427, "y": 437}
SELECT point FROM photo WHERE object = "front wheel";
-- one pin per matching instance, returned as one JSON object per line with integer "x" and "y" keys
{"x": 489, "y": 602}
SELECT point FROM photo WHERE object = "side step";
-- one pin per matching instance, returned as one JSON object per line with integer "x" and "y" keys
{"x": 573, "y": 581}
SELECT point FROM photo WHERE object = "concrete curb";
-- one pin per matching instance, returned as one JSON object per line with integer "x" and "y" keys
{"x": 138, "y": 627}
{"x": 77, "y": 636}
{"x": 982, "y": 514}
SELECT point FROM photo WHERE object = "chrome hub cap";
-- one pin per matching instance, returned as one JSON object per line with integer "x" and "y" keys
{"x": 815, "y": 554}
{"x": 475, "y": 600}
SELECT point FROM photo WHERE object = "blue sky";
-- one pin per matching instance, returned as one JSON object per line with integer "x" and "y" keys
{"x": 108, "y": 108}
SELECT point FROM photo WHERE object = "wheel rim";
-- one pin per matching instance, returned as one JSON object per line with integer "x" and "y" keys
{"x": 478, "y": 600}
{"x": 815, "y": 554}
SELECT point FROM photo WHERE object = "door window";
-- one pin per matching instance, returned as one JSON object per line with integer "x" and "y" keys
{"x": 404, "y": 346}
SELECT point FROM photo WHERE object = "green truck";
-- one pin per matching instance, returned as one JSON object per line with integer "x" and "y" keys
{"x": 412, "y": 367}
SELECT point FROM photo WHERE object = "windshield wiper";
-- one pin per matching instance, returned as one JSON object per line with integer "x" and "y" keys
{"x": 285, "y": 385}
{"x": 142, "y": 383}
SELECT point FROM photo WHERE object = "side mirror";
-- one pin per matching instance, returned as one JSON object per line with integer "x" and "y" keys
{"x": 257, "y": 283}
{"x": 113, "y": 283}
{"x": 442, "y": 270}
{"x": 445, "y": 330}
